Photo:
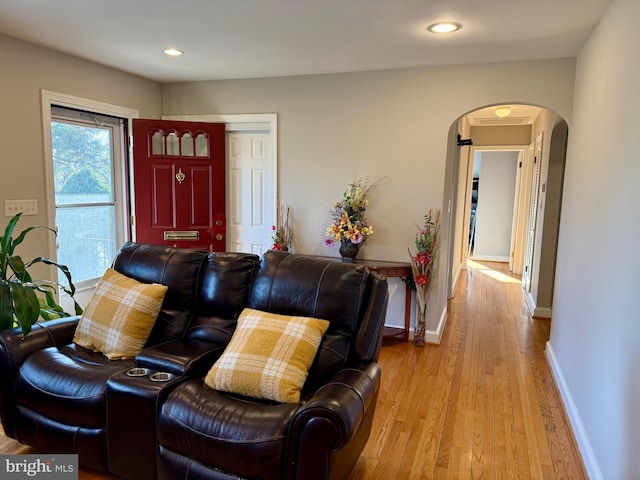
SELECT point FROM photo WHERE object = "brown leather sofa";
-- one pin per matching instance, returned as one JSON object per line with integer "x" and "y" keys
{"x": 62, "y": 398}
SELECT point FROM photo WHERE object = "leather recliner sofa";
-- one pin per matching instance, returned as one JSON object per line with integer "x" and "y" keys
{"x": 62, "y": 398}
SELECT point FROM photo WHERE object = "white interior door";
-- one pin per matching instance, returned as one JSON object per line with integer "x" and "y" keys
{"x": 514, "y": 216}
{"x": 251, "y": 195}
{"x": 533, "y": 211}
{"x": 521, "y": 210}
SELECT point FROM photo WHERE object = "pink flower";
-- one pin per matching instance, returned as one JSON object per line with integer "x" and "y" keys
{"x": 273, "y": 227}
{"x": 277, "y": 246}
{"x": 422, "y": 280}
{"x": 329, "y": 242}
{"x": 357, "y": 238}
{"x": 422, "y": 232}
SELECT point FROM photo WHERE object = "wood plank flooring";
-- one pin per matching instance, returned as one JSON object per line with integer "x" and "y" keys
{"x": 482, "y": 404}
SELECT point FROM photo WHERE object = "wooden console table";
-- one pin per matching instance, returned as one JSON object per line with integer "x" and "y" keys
{"x": 391, "y": 270}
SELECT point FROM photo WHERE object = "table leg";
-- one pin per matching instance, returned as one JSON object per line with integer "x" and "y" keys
{"x": 407, "y": 312}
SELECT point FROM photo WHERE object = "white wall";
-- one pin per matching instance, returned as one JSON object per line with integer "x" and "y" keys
{"x": 595, "y": 332}
{"x": 394, "y": 123}
{"x": 496, "y": 191}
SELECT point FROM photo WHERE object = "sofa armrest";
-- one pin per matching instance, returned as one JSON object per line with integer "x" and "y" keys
{"x": 15, "y": 347}
{"x": 339, "y": 412}
{"x": 181, "y": 356}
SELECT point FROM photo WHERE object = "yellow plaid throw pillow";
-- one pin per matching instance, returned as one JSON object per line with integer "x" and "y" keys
{"x": 268, "y": 356}
{"x": 120, "y": 315}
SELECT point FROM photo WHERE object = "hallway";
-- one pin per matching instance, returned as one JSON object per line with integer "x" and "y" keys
{"x": 483, "y": 404}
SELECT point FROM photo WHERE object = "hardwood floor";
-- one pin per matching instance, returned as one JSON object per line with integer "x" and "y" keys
{"x": 482, "y": 404}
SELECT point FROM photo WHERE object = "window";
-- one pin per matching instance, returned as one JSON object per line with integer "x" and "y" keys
{"x": 87, "y": 154}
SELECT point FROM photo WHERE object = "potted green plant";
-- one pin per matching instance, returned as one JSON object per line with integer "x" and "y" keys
{"x": 24, "y": 300}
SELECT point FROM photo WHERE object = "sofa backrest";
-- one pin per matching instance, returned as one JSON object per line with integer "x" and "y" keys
{"x": 351, "y": 298}
{"x": 223, "y": 292}
{"x": 179, "y": 269}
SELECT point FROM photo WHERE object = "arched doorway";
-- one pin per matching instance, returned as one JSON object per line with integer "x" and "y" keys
{"x": 540, "y": 135}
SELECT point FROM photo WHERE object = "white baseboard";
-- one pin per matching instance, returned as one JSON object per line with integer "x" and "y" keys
{"x": 531, "y": 304}
{"x": 535, "y": 311}
{"x": 541, "y": 312}
{"x": 584, "y": 445}
{"x": 434, "y": 336}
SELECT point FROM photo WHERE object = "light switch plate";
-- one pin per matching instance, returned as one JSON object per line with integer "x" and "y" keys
{"x": 27, "y": 207}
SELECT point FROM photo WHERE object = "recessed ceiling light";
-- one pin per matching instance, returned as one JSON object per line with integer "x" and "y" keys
{"x": 503, "y": 111}
{"x": 444, "y": 27}
{"x": 173, "y": 52}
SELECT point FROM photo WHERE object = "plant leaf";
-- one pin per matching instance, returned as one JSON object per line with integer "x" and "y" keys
{"x": 26, "y": 306}
{"x": 5, "y": 243}
{"x": 19, "y": 269}
{"x": 20, "y": 238}
{"x": 63, "y": 268}
{"x": 51, "y": 301}
{"x": 6, "y": 306}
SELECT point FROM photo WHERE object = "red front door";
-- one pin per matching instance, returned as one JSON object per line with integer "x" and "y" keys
{"x": 179, "y": 184}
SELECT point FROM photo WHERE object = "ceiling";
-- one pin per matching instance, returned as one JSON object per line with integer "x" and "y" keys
{"x": 224, "y": 39}
{"x": 520, "y": 115}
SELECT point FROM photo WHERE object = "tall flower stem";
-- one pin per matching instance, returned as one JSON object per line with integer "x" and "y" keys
{"x": 422, "y": 268}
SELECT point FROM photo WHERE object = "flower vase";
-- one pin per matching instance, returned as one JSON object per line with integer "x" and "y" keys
{"x": 349, "y": 251}
{"x": 419, "y": 332}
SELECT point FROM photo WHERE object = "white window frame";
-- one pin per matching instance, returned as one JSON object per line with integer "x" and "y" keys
{"x": 50, "y": 99}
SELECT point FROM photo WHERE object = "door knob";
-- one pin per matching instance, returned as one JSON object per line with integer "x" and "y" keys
{"x": 219, "y": 236}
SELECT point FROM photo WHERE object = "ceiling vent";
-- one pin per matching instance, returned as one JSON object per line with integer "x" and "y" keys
{"x": 502, "y": 121}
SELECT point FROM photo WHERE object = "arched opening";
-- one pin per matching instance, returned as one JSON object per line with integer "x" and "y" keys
{"x": 524, "y": 153}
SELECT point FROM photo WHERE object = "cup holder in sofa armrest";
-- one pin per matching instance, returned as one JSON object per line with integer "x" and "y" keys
{"x": 153, "y": 375}
{"x": 161, "y": 377}
{"x": 138, "y": 372}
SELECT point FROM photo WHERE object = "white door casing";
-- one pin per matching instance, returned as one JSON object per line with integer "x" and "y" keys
{"x": 521, "y": 200}
{"x": 49, "y": 99}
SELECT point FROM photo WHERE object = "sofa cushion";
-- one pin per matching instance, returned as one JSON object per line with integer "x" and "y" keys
{"x": 179, "y": 269}
{"x": 292, "y": 284}
{"x": 67, "y": 384}
{"x": 223, "y": 292}
{"x": 268, "y": 356}
{"x": 120, "y": 315}
{"x": 239, "y": 436}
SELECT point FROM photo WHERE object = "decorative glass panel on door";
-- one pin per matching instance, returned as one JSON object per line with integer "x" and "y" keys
{"x": 186, "y": 145}
{"x": 202, "y": 147}
{"x": 157, "y": 144}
